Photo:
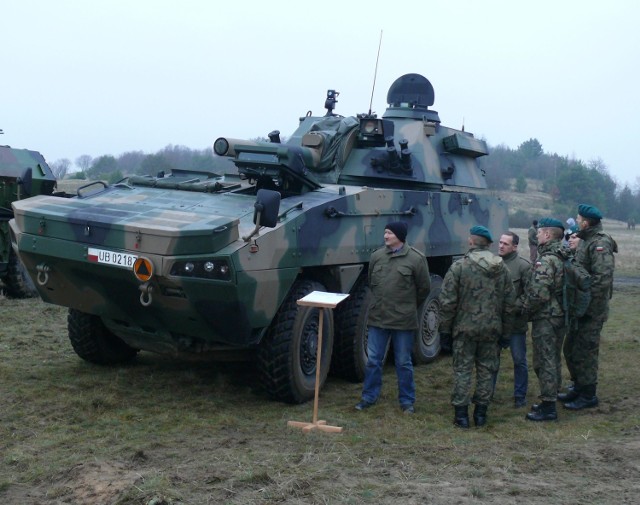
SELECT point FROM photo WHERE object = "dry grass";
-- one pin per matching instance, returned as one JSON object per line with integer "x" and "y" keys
{"x": 535, "y": 202}
{"x": 178, "y": 432}
{"x": 173, "y": 432}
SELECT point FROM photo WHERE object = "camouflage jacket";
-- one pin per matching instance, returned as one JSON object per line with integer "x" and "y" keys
{"x": 595, "y": 253}
{"x": 533, "y": 236}
{"x": 477, "y": 297}
{"x": 543, "y": 296}
{"x": 520, "y": 271}
{"x": 399, "y": 284}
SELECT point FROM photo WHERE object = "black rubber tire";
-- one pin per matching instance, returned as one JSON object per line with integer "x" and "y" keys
{"x": 287, "y": 353}
{"x": 17, "y": 282}
{"x": 93, "y": 342}
{"x": 426, "y": 347}
{"x": 350, "y": 343}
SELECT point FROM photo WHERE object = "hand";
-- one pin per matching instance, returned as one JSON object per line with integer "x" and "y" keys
{"x": 504, "y": 342}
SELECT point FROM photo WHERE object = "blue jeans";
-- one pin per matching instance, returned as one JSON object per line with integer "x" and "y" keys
{"x": 378, "y": 342}
{"x": 518, "y": 345}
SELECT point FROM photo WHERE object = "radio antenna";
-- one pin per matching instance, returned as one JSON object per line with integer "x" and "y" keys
{"x": 375, "y": 74}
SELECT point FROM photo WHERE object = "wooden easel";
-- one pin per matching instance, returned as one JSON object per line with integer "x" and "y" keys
{"x": 322, "y": 301}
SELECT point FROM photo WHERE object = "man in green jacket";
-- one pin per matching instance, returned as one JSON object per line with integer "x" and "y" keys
{"x": 476, "y": 310}
{"x": 399, "y": 282}
{"x": 595, "y": 253}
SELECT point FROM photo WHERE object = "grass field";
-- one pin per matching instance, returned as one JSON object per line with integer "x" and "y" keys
{"x": 162, "y": 431}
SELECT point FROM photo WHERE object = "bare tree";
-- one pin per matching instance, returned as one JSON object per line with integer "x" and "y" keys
{"x": 84, "y": 162}
{"x": 60, "y": 167}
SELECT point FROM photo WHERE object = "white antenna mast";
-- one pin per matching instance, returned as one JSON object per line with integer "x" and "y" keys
{"x": 375, "y": 74}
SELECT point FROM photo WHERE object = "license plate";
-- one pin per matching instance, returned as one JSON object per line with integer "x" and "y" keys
{"x": 113, "y": 258}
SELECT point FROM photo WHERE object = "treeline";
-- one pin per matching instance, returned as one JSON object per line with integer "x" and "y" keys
{"x": 114, "y": 168}
{"x": 567, "y": 181}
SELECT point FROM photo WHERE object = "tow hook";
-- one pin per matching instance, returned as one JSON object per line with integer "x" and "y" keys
{"x": 43, "y": 273}
{"x": 145, "y": 295}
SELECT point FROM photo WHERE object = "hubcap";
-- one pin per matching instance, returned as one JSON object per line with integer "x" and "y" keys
{"x": 309, "y": 344}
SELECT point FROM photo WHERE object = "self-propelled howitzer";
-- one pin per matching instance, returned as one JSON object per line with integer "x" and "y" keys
{"x": 196, "y": 262}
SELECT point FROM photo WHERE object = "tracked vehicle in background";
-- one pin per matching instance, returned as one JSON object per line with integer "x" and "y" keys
{"x": 194, "y": 262}
{"x": 23, "y": 173}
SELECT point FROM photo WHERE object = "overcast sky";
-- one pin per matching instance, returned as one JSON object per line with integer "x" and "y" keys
{"x": 105, "y": 77}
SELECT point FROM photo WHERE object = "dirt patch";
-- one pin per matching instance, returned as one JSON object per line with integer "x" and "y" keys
{"x": 91, "y": 483}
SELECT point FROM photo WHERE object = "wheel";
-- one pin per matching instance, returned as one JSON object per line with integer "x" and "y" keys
{"x": 17, "y": 281}
{"x": 287, "y": 354}
{"x": 350, "y": 343}
{"x": 93, "y": 342}
{"x": 427, "y": 344}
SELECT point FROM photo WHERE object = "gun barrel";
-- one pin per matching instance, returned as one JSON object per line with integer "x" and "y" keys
{"x": 226, "y": 146}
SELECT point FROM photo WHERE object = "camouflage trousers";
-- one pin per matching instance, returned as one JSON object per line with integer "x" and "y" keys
{"x": 466, "y": 354}
{"x": 581, "y": 350}
{"x": 546, "y": 337}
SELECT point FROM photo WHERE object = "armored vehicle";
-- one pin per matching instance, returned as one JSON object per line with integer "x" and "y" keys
{"x": 192, "y": 262}
{"x": 23, "y": 173}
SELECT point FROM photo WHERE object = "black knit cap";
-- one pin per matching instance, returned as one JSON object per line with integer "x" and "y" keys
{"x": 399, "y": 229}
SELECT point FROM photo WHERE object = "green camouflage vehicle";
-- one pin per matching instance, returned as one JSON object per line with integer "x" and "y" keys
{"x": 207, "y": 263}
{"x": 23, "y": 173}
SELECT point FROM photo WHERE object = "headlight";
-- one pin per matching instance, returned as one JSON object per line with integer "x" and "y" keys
{"x": 217, "y": 269}
{"x": 370, "y": 127}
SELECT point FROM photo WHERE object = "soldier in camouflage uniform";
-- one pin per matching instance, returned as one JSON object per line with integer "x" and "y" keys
{"x": 543, "y": 304}
{"x": 595, "y": 253}
{"x": 477, "y": 303}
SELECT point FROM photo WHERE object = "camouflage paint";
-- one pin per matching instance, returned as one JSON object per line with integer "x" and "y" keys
{"x": 13, "y": 164}
{"x": 346, "y": 200}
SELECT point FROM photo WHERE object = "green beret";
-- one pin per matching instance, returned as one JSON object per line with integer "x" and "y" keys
{"x": 481, "y": 231}
{"x": 574, "y": 229}
{"x": 589, "y": 211}
{"x": 549, "y": 222}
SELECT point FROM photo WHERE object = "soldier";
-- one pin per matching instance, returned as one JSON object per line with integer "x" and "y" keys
{"x": 533, "y": 241}
{"x": 543, "y": 304}
{"x": 571, "y": 223}
{"x": 595, "y": 253}
{"x": 520, "y": 271}
{"x": 477, "y": 303}
{"x": 399, "y": 283}
{"x": 573, "y": 239}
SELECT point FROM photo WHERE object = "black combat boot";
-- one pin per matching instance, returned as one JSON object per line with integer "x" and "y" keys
{"x": 546, "y": 412}
{"x": 569, "y": 396}
{"x": 480, "y": 415}
{"x": 461, "y": 419}
{"x": 535, "y": 407}
{"x": 586, "y": 399}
